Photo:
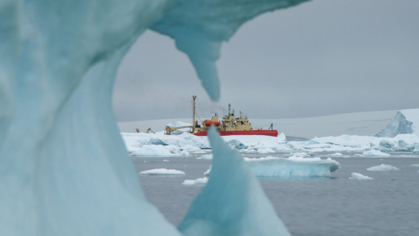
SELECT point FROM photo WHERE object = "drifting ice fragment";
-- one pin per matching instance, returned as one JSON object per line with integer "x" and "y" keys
{"x": 359, "y": 176}
{"x": 383, "y": 167}
{"x": 199, "y": 181}
{"x": 232, "y": 202}
{"x": 414, "y": 165}
{"x": 162, "y": 171}
{"x": 375, "y": 153}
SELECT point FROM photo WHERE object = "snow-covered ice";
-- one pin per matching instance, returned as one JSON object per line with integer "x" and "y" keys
{"x": 359, "y": 176}
{"x": 162, "y": 171}
{"x": 383, "y": 167}
{"x": 414, "y": 165}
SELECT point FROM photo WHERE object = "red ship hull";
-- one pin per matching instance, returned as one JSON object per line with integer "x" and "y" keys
{"x": 273, "y": 133}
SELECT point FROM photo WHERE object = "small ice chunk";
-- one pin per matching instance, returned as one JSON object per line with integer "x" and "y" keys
{"x": 359, "y": 176}
{"x": 162, "y": 171}
{"x": 358, "y": 155}
{"x": 383, "y": 167}
{"x": 414, "y": 165}
{"x": 375, "y": 153}
{"x": 338, "y": 154}
{"x": 166, "y": 160}
{"x": 199, "y": 181}
{"x": 207, "y": 173}
{"x": 205, "y": 157}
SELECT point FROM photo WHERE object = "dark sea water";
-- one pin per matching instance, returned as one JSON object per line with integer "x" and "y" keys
{"x": 387, "y": 205}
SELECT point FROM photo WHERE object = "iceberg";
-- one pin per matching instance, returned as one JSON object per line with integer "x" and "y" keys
{"x": 64, "y": 169}
{"x": 358, "y": 176}
{"x": 405, "y": 122}
{"x": 232, "y": 202}
{"x": 162, "y": 171}
{"x": 383, "y": 167}
{"x": 293, "y": 167}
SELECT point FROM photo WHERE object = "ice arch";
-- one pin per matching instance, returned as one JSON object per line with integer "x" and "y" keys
{"x": 63, "y": 167}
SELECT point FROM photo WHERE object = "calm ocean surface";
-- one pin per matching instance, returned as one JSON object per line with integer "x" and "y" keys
{"x": 387, "y": 205}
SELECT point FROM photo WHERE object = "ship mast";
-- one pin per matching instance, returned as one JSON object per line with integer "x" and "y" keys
{"x": 193, "y": 113}
{"x": 229, "y": 106}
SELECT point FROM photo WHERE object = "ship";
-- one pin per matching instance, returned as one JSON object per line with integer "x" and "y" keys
{"x": 229, "y": 125}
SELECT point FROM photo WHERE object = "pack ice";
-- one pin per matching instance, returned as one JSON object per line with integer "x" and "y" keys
{"x": 64, "y": 169}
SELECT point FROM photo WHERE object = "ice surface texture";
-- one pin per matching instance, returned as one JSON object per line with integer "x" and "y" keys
{"x": 232, "y": 202}
{"x": 405, "y": 122}
{"x": 64, "y": 169}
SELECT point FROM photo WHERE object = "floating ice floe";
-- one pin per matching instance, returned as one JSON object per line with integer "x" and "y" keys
{"x": 375, "y": 153}
{"x": 414, "y": 165}
{"x": 205, "y": 157}
{"x": 293, "y": 167}
{"x": 359, "y": 176}
{"x": 338, "y": 154}
{"x": 162, "y": 171}
{"x": 199, "y": 181}
{"x": 383, "y": 167}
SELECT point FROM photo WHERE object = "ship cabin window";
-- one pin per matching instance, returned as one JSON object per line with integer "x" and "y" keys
{"x": 242, "y": 123}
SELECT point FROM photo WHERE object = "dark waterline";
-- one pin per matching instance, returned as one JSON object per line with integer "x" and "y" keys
{"x": 387, "y": 205}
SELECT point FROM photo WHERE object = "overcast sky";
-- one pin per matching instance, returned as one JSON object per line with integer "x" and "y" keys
{"x": 320, "y": 58}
